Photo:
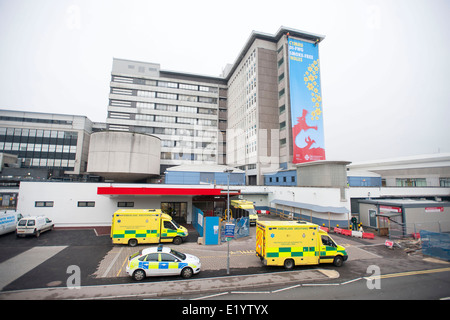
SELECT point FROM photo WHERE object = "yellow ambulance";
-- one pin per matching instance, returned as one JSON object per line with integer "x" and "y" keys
{"x": 242, "y": 208}
{"x": 293, "y": 243}
{"x": 136, "y": 226}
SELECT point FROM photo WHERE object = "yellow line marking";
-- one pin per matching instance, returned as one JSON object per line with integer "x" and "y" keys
{"x": 409, "y": 273}
{"x": 120, "y": 270}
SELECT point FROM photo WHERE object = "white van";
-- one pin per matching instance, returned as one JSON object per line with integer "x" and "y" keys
{"x": 8, "y": 221}
{"x": 33, "y": 226}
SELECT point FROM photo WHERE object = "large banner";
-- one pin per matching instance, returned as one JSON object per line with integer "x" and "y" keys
{"x": 306, "y": 101}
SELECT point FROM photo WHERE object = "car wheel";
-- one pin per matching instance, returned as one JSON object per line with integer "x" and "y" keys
{"x": 338, "y": 261}
{"x": 177, "y": 241}
{"x": 139, "y": 275}
{"x": 289, "y": 264}
{"x": 37, "y": 233}
{"x": 132, "y": 242}
{"x": 186, "y": 273}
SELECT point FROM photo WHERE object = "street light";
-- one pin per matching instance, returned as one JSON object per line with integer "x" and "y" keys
{"x": 228, "y": 171}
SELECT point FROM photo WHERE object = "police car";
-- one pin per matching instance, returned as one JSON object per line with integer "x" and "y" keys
{"x": 162, "y": 261}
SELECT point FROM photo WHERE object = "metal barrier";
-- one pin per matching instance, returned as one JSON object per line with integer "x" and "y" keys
{"x": 436, "y": 244}
{"x": 241, "y": 229}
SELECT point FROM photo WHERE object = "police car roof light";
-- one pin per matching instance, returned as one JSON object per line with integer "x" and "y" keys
{"x": 160, "y": 247}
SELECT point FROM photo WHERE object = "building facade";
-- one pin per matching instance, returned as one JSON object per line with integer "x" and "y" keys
{"x": 55, "y": 144}
{"x": 242, "y": 118}
{"x": 259, "y": 138}
{"x": 186, "y": 111}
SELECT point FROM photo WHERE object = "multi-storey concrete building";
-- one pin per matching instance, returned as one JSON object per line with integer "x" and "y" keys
{"x": 241, "y": 118}
{"x": 259, "y": 137}
{"x": 186, "y": 111}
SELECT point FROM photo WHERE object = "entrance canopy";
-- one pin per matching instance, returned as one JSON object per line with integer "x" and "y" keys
{"x": 175, "y": 191}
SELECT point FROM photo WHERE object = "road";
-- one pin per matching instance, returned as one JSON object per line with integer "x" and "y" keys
{"x": 48, "y": 260}
{"x": 434, "y": 284}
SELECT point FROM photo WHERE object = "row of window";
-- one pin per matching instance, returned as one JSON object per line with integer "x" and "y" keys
{"x": 187, "y": 156}
{"x": 176, "y": 131}
{"x": 188, "y": 144}
{"x": 169, "y": 119}
{"x": 164, "y": 84}
{"x": 163, "y": 95}
{"x": 81, "y": 204}
{"x": 172, "y": 108}
{"x": 35, "y": 120}
{"x": 419, "y": 182}
{"x": 32, "y": 147}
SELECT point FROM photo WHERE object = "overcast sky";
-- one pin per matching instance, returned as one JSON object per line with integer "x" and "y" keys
{"x": 385, "y": 65}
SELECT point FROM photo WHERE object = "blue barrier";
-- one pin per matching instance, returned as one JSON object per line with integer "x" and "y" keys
{"x": 435, "y": 244}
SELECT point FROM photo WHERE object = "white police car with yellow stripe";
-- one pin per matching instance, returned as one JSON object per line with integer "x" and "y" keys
{"x": 162, "y": 261}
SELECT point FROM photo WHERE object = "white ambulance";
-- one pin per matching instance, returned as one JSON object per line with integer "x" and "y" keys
{"x": 8, "y": 221}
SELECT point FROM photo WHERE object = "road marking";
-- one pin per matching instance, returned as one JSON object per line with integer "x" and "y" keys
{"x": 211, "y": 296}
{"x": 112, "y": 263}
{"x": 123, "y": 263}
{"x": 17, "y": 266}
{"x": 409, "y": 273}
{"x": 288, "y": 288}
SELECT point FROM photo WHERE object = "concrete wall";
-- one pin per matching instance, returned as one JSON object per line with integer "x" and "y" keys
{"x": 124, "y": 156}
{"x": 65, "y": 197}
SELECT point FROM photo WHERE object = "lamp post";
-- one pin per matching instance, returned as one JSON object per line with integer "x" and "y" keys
{"x": 228, "y": 171}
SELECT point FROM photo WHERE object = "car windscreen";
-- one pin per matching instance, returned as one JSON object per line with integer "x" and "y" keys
{"x": 177, "y": 254}
{"x": 22, "y": 223}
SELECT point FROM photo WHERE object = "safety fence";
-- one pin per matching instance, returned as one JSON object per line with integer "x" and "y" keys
{"x": 241, "y": 229}
{"x": 405, "y": 230}
{"x": 435, "y": 244}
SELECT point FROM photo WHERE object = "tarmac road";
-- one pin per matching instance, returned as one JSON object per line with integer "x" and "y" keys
{"x": 45, "y": 262}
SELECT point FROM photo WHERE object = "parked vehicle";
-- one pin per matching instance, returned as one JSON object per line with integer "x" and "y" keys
{"x": 134, "y": 226}
{"x": 8, "y": 221}
{"x": 162, "y": 261}
{"x": 293, "y": 243}
{"x": 33, "y": 226}
{"x": 244, "y": 208}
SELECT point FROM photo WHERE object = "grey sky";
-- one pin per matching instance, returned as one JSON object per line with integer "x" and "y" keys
{"x": 384, "y": 64}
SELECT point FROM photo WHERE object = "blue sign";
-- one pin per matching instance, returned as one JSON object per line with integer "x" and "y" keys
{"x": 306, "y": 101}
{"x": 229, "y": 230}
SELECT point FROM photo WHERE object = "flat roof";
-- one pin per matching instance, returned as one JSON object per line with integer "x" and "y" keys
{"x": 407, "y": 203}
{"x": 312, "y": 207}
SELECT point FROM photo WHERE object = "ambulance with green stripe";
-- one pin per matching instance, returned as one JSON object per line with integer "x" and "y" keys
{"x": 137, "y": 226}
{"x": 294, "y": 243}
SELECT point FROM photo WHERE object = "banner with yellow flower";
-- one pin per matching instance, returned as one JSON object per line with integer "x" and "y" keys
{"x": 306, "y": 101}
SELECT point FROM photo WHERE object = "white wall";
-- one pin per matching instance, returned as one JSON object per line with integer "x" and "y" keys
{"x": 65, "y": 196}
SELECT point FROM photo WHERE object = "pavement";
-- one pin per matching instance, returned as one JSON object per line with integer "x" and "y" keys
{"x": 147, "y": 290}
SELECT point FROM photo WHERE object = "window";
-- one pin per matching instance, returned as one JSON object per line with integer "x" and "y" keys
{"x": 169, "y": 225}
{"x": 86, "y": 204}
{"x": 124, "y": 204}
{"x": 146, "y": 94}
{"x": 444, "y": 182}
{"x": 411, "y": 182}
{"x": 280, "y": 62}
{"x": 283, "y": 125}
{"x": 168, "y": 257}
{"x": 41, "y": 204}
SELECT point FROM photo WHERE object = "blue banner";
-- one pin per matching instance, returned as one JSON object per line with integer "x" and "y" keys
{"x": 306, "y": 101}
